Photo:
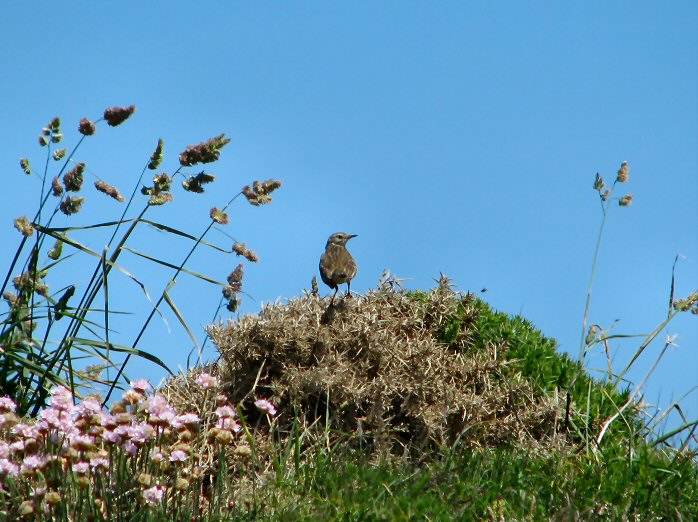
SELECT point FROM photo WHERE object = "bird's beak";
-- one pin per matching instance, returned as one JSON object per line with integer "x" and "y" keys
{"x": 352, "y": 235}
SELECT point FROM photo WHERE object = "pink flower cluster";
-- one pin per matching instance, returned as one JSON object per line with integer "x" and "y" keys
{"x": 85, "y": 439}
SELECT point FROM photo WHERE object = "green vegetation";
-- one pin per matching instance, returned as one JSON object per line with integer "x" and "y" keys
{"x": 393, "y": 405}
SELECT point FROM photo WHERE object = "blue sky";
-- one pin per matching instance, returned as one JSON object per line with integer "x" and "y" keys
{"x": 455, "y": 137}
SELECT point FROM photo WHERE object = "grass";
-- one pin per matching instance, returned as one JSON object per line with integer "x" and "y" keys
{"x": 394, "y": 405}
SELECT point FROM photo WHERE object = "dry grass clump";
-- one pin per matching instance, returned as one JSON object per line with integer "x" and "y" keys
{"x": 376, "y": 368}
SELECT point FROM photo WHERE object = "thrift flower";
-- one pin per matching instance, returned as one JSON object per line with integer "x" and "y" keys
{"x": 206, "y": 381}
{"x": 153, "y": 495}
{"x": 265, "y": 406}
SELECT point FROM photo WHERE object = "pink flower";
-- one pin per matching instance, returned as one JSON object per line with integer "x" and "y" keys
{"x": 61, "y": 398}
{"x": 88, "y": 408}
{"x": 160, "y": 409}
{"x": 141, "y": 386}
{"x": 206, "y": 381}
{"x": 129, "y": 448}
{"x": 82, "y": 442}
{"x": 228, "y": 423}
{"x": 112, "y": 436}
{"x": 7, "y": 405}
{"x": 99, "y": 463}
{"x": 153, "y": 495}
{"x": 225, "y": 411}
{"x": 178, "y": 456}
{"x": 27, "y": 431}
{"x": 31, "y": 464}
{"x": 156, "y": 456}
{"x": 81, "y": 468}
{"x": 8, "y": 469}
{"x": 265, "y": 406}
{"x": 140, "y": 433}
{"x": 186, "y": 419}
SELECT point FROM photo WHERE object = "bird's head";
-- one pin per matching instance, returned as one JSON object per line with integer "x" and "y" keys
{"x": 339, "y": 238}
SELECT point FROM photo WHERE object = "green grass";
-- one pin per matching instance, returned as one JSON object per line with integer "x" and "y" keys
{"x": 472, "y": 485}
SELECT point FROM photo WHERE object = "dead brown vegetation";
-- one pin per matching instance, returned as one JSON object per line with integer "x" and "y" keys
{"x": 385, "y": 370}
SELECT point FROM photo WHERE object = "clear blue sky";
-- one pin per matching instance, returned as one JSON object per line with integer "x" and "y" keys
{"x": 453, "y": 137}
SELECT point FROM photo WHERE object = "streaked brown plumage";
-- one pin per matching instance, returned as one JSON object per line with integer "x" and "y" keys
{"x": 336, "y": 264}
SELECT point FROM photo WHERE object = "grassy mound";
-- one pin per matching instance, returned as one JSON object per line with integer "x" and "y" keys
{"x": 400, "y": 372}
{"x": 494, "y": 422}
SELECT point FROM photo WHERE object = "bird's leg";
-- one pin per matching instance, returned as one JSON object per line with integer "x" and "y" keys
{"x": 336, "y": 289}
{"x": 348, "y": 288}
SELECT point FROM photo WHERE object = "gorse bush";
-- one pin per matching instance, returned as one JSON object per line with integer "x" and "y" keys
{"x": 63, "y": 337}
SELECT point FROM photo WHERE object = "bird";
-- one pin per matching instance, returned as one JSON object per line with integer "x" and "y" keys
{"x": 336, "y": 264}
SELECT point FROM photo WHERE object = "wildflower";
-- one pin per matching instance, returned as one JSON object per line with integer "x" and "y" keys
{"x": 141, "y": 433}
{"x": 314, "y": 290}
{"x": 156, "y": 456}
{"x": 70, "y": 206}
{"x": 82, "y": 443}
{"x": 61, "y": 398}
{"x": 52, "y": 498}
{"x": 206, "y": 152}
{"x": 110, "y": 191}
{"x": 605, "y": 195}
{"x": 225, "y": 411}
{"x": 228, "y": 424}
{"x": 112, "y": 437}
{"x": 24, "y": 164}
{"x": 32, "y": 464}
{"x": 153, "y": 495}
{"x": 73, "y": 179}
{"x": 57, "y": 187}
{"x": 178, "y": 456}
{"x": 623, "y": 173}
{"x": 42, "y": 141}
{"x": 26, "y": 508}
{"x": 206, "y": 381}
{"x": 58, "y": 154}
{"x": 156, "y": 157}
{"x": 88, "y": 408}
{"x": 129, "y": 448}
{"x": 132, "y": 397}
{"x": 117, "y": 115}
{"x": 626, "y": 200}
{"x": 8, "y": 468}
{"x": 243, "y": 451}
{"x": 221, "y": 436}
{"x": 24, "y": 226}
{"x": 241, "y": 250}
{"x": 7, "y": 405}
{"x": 81, "y": 468}
{"x": 99, "y": 462}
{"x": 265, "y": 406}
{"x": 141, "y": 386}
{"x": 181, "y": 484}
{"x": 160, "y": 410}
{"x": 219, "y": 216}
